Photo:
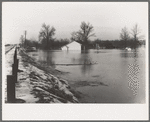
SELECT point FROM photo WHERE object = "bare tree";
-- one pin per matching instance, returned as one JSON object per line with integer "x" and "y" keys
{"x": 46, "y": 34}
{"x": 135, "y": 31}
{"x": 76, "y": 37}
{"x": 84, "y": 33}
{"x": 124, "y": 35}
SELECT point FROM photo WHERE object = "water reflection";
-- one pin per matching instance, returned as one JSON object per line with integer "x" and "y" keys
{"x": 86, "y": 60}
{"x": 84, "y": 51}
{"x": 129, "y": 54}
{"x": 47, "y": 57}
{"x": 135, "y": 54}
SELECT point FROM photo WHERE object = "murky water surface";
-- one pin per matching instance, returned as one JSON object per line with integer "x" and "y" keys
{"x": 101, "y": 76}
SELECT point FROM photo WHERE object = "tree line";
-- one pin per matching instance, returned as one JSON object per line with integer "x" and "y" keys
{"x": 47, "y": 41}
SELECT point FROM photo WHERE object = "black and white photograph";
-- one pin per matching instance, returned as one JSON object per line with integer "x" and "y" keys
{"x": 74, "y": 53}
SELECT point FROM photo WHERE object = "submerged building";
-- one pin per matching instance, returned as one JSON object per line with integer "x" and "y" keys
{"x": 72, "y": 46}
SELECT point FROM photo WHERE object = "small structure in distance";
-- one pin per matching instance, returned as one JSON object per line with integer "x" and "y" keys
{"x": 72, "y": 46}
{"x": 30, "y": 49}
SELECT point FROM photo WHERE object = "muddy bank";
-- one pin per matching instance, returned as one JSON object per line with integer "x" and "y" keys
{"x": 38, "y": 83}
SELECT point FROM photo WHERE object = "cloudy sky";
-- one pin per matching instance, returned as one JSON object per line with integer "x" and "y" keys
{"x": 108, "y": 18}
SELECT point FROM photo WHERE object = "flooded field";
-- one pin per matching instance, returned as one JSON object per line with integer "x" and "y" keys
{"x": 101, "y": 76}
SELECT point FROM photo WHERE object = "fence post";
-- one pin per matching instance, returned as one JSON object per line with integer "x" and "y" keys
{"x": 10, "y": 88}
{"x": 15, "y": 55}
{"x": 15, "y": 70}
{"x": 15, "y": 66}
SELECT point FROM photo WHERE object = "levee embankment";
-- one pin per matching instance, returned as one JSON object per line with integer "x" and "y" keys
{"x": 38, "y": 84}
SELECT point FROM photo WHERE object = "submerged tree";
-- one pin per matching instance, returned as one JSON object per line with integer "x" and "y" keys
{"x": 124, "y": 36}
{"x": 135, "y": 32}
{"x": 46, "y": 34}
{"x": 83, "y": 34}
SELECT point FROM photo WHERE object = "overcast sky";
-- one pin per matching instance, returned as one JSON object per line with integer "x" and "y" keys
{"x": 108, "y": 18}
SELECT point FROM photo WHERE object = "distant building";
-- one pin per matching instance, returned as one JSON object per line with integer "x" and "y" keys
{"x": 72, "y": 46}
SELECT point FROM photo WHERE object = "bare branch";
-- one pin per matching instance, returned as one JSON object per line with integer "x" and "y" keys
{"x": 92, "y": 35}
{"x": 46, "y": 33}
{"x": 124, "y": 35}
{"x": 84, "y": 33}
{"x": 135, "y": 31}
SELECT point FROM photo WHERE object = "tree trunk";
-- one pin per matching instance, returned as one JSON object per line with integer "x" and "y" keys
{"x": 47, "y": 44}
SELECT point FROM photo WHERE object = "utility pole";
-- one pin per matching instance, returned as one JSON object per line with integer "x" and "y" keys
{"x": 22, "y": 41}
{"x": 25, "y": 38}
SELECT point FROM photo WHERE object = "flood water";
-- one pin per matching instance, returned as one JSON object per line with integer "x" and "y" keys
{"x": 101, "y": 76}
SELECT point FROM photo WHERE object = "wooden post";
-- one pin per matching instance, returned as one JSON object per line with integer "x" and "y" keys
{"x": 15, "y": 70}
{"x": 15, "y": 66}
{"x": 17, "y": 63}
{"x": 10, "y": 88}
{"x": 15, "y": 56}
